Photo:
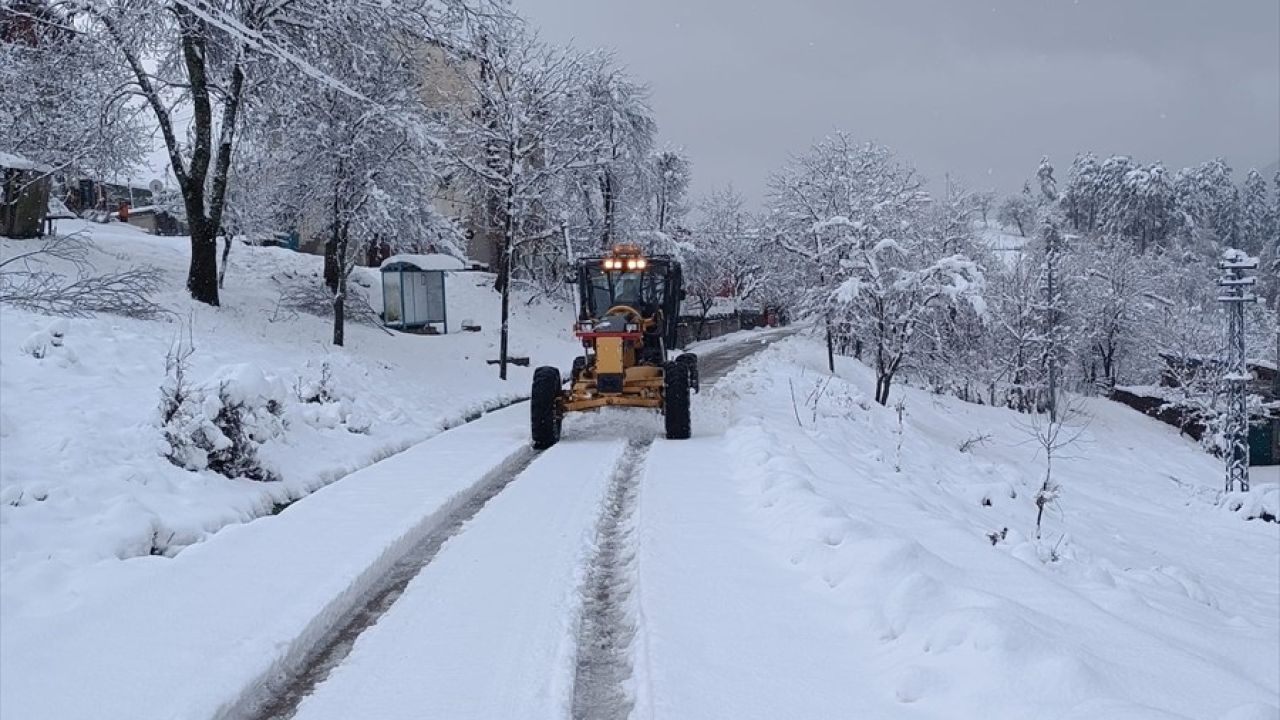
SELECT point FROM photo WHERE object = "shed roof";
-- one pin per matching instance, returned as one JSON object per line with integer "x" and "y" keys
{"x": 17, "y": 162}
{"x": 55, "y": 209}
{"x": 433, "y": 261}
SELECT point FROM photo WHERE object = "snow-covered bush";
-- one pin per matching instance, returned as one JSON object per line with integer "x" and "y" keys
{"x": 219, "y": 424}
{"x": 324, "y": 405}
{"x": 1262, "y": 502}
{"x": 50, "y": 342}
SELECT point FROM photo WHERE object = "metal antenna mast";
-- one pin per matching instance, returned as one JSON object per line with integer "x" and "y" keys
{"x": 1236, "y": 291}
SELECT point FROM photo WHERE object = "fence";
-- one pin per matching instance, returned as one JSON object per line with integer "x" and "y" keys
{"x": 692, "y": 328}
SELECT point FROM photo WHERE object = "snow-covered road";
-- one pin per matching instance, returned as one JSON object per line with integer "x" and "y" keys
{"x": 525, "y": 612}
{"x": 487, "y": 629}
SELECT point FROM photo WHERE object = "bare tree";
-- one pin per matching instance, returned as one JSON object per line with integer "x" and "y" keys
{"x": 194, "y": 62}
{"x": 670, "y": 183}
{"x": 857, "y": 217}
{"x": 84, "y": 126}
{"x": 623, "y": 126}
{"x": 524, "y": 133}
{"x": 1053, "y": 433}
{"x": 204, "y": 65}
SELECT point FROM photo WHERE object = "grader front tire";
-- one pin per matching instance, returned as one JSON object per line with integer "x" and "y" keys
{"x": 690, "y": 361}
{"x": 545, "y": 414}
{"x": 675, "y": 400}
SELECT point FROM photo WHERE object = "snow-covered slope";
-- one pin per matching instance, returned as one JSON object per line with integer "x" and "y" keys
{"x": 82, "y": 476}
{"x": 1004, "y": 243}
{"x": 810, "y": 577}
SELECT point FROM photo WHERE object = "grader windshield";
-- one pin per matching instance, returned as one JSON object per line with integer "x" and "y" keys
{"x": 643, "y": 290}
{"x": 652, "y": 286}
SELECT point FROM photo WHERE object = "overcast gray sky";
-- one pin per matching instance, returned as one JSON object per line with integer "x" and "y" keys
{"x": 978, "y": 89}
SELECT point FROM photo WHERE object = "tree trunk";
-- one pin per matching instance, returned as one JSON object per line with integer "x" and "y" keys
{"x": 332, "y": 265}
{"x": 831, "y": 350}
{"x": 339, "y": 285}
{"x": 609, "y": 202}
{"x": 202, "y": 275}
{"x": 504, "y": 277}
{"x": 883, "y": 381}
{"x": 1108, "y": 368}
{"x": 506, "y": 315}
{"x": 340, "y": 312}
{"x": 226, "y": 253}
{"x": 332, "y": 259}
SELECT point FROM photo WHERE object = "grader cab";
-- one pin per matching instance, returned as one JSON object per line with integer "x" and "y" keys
{"x": 629, "y": 306}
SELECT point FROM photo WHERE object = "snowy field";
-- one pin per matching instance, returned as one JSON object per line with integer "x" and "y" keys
{"x": 83, "y": 481}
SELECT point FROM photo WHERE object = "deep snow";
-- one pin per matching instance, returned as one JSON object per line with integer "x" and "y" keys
{"x": 787, "y": 569}
{"x": 199, "y": 635}
{"x": 789, "y": 560}
{"x": 202, "y": 634}
{"x": 83, "y": 480}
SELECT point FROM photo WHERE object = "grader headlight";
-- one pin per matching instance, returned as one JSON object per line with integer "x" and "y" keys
{"x": 625, "y": 258}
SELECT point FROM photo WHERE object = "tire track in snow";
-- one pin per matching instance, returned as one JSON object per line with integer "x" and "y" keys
{"x": 607, "y": 626}
{"x": 602, "y": 678}
{"x": 286, "y": 692}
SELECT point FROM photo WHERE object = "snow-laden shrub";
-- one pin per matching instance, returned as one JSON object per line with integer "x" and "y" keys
{"x": 1262, "y": 502}
{"x": 325, "y": 405}
{"x": 49, "y": 342}
{"x": 219, "y": 424}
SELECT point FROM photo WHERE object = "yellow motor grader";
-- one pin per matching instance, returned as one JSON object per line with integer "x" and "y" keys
{"x": 628, "y": 311}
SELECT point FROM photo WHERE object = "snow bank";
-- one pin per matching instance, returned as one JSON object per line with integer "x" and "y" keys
{"x": 197, "y": 636}
{"x": 1142, "y": 599}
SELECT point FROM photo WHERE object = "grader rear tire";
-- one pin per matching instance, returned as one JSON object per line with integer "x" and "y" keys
{"x": 675, "y": 400}
{"x": 545, "y": 415}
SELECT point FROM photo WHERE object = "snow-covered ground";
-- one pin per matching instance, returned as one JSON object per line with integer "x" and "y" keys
{"x": 206, "y": 633}
{"x": 803, "y": 555}
{"x": 83, "y": 482}
{"x": 787, "y": 569}
{"x": 1004, "y": 243}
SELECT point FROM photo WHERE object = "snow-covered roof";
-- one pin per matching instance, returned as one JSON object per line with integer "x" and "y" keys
{"x": 432, "y": 261}
{"x": 17, "y": 162}
{"x": 55, "y": 209}
{"x": 150, "y": 210}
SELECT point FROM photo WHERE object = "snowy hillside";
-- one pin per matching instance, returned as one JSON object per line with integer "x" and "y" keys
{"x": 1006, "y": 245}
{"x": 923, "y": 592}
{"x": 84, "y": 479}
